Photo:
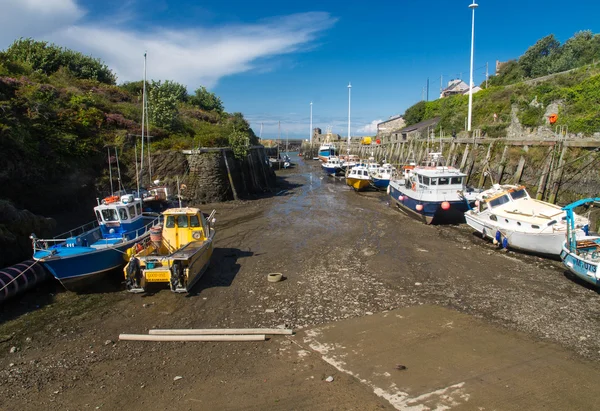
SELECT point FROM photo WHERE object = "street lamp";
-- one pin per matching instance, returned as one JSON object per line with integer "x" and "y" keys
{"x": 349, "y": 94}
{"x": 472, "y": 6}
{"x": 311, "y": 128}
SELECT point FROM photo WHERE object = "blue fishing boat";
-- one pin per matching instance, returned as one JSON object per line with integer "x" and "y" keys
{"x": 434, "y": 193}
{"x": 581, "y": 253}
{"x": 332, "y": 166}
{"x": 382, "y": 176}
{"x": 90, "y": 251}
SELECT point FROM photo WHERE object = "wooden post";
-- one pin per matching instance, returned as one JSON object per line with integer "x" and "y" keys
{"x": 519, "y": 172}
{"x": 502, "y": 164}
{"x": 464, "y": 157}
{"x": 558, "y": 172}
{"x": 482, "y": 178}
{"x": 235, "y": 196}
{"x": 544, "y": 177}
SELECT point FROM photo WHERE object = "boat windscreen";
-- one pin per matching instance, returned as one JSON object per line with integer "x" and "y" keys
{"x": 499, "y": 201}
{"x": 518, "y": 194}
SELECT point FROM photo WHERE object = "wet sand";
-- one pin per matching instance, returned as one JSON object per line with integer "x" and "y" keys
{"x": 346, "y": 257}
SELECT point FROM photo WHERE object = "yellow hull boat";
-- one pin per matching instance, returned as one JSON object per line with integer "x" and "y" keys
{"x": 177, "y": 253}
{"x": 357, "y": 184}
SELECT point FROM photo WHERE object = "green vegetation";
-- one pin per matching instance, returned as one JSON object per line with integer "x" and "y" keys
{"x": 59, "y": 109}
{"x": 576, "y": 93}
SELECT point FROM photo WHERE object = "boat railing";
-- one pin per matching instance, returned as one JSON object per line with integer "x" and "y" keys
{"x": 77, "y": 231}
{"x": 142, "y": 230}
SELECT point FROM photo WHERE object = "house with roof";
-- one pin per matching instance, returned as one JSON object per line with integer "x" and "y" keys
{"x": 456, "y": 86}
{"x": 387, "y": 130}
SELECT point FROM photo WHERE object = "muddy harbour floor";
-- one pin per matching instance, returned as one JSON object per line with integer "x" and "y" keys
{"x": 401, "y": 315}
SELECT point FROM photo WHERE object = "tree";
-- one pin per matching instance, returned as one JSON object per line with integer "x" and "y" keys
{"x": 48, "y": 58}
{"x": 162, "y": 102}
{"x": 206, "y": 100}
{"x": 537, "y": 60}
{"x": 415, "y": 113}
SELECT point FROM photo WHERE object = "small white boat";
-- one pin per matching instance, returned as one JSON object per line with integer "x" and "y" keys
{"x": 358, "y": 178}
{"x": 508, "y": 215}
{"x": 581, "y": 254}
{"x": 332, "y": 166}
{"x": 382, "y": 176}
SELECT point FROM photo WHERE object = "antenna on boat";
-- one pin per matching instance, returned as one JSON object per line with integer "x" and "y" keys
{"x": 118, "y": 170}
{"x": 278, "y": 139}
{"x": 260, "y": 134}
{"x": 137, "y": 175}
{"x": 349, "y": 95}
{"x": 110, "y": 172}
{"x": 178, "y": 192}
{"x": 143, "y": 121}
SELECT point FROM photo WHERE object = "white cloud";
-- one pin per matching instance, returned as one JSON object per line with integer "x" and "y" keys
{"x": 370, "y": 128}
{"x": 192, "y": 56}
{"x": 34, "y": 18}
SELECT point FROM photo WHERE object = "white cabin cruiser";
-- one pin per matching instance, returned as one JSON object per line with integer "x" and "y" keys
{"x": 508, "y": 214}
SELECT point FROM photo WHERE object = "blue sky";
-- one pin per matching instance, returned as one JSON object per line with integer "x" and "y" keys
{"x": 270, "y": 59}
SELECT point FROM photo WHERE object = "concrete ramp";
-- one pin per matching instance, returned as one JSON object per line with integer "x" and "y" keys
{"x": 433, "y": 358}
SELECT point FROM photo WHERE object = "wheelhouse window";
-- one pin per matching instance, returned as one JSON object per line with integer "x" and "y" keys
{"x": 170, "y": 222}
{"x": 443, "y": 181}
{"x": 456, "y": 180}
{"x": 499, "y": 201}
{"x": 518, "y": 194}
{"x": 98, "y": 216}
{"x": 132, "y": 211}
{"x": 182, "y": 221}
{"x": 123, "y": 214}
{"x": 194, "y": 221}
{"x": 434, "y": 181}
{"x": 424, "y": 180}
{"x": 138, "y": 208}
{"x": 109, "y": 214}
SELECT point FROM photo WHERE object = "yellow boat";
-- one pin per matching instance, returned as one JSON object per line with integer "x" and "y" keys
{"x": 358, "y": 178}
{"x": 177, "y": 253}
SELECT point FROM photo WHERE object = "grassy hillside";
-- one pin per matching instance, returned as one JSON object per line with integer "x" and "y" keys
{"x": 60, "y": 109}
{"x": 573, "y": 95}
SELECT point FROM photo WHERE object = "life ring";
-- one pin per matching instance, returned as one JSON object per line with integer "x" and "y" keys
{"x": 111, "y": 199}
{"x": 138, "y": 247}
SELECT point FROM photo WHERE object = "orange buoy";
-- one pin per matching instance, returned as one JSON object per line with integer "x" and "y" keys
{"x": 445, "y": 205}
{"x": 553, "y": 118}
{"x": 419, "y": 207}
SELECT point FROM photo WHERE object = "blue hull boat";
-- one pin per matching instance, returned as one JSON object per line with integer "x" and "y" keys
{"x": 380, "y": 182}
{"x": 88, "y": 252}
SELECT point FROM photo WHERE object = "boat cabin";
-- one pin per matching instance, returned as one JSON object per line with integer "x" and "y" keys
{"x": 119, "y": 216}
{"x": 182, "y": 226}
{"x": 502, "y": 196}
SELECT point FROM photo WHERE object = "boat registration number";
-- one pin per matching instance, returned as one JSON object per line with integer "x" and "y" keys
{"x": 158, "y": 276}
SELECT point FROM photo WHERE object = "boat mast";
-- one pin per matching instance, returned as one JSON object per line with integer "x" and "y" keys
{"x": 147, "y": 125}
{"x": 136, "y": 169}
{"x": 349, "y": 95}
{"x": 143, "y": 122}
{"x": 120, "y": 185}
{"x": 278, "y": 139}
{"x": 110, "y": 172}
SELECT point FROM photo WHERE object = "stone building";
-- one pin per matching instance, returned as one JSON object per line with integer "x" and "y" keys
{"x": 319, "y": 137}
{"x": 416, "y": 131}
{"x": 456, "y": 86}
{"x": 386, "y": 130}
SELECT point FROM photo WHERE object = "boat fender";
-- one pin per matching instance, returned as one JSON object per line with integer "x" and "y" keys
{"x": 498, "y": 236}
{"x": 505, "y": 243}
{"x": 586, "y": 229}
{"x": 388, "y": 189}
{"x": 414, "y": 186}
{"x": 483, "y": 234}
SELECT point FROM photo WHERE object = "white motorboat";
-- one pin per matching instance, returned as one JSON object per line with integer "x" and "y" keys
{"x": 508, "y": 215}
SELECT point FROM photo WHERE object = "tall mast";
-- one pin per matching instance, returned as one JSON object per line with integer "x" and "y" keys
{"x": 349, "y": 96}
{"x": 136, "y": 170}
{"x": 110, "y": 172}
{"x": 278, "y": 138}
{"x": 147, "y": 126}
{"x": 143, "y": 122}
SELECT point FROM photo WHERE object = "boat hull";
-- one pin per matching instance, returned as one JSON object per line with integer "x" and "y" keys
{"x": 381, "y": 182}
{"x": 331, "y": 171}
{"x": 357, "y": 183}
{"x": 539, "y": 243}
{"x": 432, "y": 212}
{"x": 84, "y": 267}
{"x": 580, "y": 267}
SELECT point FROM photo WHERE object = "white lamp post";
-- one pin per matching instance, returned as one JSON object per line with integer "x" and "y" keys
{"x": 349, "y": 95}
{"x": 311, "y": 128}
{"x": 472, "y": 6}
